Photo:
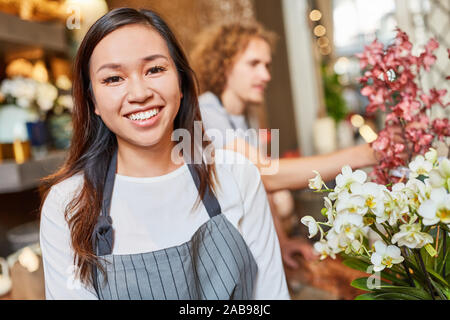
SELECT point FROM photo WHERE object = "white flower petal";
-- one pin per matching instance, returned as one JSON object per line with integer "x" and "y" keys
{"x": 393, "y": 251}
{"x": 360, "y": 176}
{"x": 380, "y": 247}
{"x": 428, "y": 209}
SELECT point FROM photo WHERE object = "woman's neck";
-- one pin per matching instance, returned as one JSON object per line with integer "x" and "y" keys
{"x": 154, "y": 161}
{"x": 232, "y": 103}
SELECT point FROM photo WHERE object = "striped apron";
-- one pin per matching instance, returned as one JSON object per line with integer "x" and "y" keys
{"x": 215, "y": 263}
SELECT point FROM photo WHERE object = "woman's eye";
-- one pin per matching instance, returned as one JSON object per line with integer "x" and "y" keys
{"x": 152, "y": 70}
{"x": 156, "y": 69}
{"x": 111, "y": 79}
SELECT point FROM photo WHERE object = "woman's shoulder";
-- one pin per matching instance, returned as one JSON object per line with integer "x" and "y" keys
{"x": 61, "y": 193}
{"x": 69, "y": 185}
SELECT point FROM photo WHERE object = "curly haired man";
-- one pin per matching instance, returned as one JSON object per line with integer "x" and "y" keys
{"x": 232, "y": 63}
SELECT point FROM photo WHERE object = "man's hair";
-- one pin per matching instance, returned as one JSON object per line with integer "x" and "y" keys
{"x": 216, "y": 48}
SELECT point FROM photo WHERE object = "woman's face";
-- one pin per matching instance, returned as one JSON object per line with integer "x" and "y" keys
{"x": 135, "y": 85}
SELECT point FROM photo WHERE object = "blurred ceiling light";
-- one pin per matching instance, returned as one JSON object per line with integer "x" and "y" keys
{"x": 29, "y": 260}
{"x": 341, "y": 66}
{"x": 325, "y": 50}
{"x": 63, "y": 82}
{"x": 40, "y": 72}
{"x": 323, "y": 42}
{"x": 19, "y": 67}
{"x": 315, "y": 15}
{"x": 367, "y": 133}
{"x": 320, "y": 30}
{"x": 357, "y": 120}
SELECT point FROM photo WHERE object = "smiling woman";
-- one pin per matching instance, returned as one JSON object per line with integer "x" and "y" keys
{"x": 137, "y": 94}
{"x": 123, "y": 219}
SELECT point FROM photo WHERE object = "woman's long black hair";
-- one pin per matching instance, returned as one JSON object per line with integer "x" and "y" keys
{"x": 93, "y": 143}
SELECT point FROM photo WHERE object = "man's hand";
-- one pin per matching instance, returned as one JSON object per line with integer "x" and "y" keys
{"x": 293, "y": 246}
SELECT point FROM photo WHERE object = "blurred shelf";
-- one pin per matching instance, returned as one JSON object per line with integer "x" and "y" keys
{"x": 18, "y": 34}
{"x": 19, "y": 177}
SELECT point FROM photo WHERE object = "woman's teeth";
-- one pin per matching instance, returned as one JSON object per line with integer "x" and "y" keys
{"x": 144, "y": 115}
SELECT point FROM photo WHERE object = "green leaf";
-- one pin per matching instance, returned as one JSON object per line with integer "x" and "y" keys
{"x": 392, "y": 277}
{"x": 418, "y": 284}
{"x": 416, "y": 292}
{"x": 361, "y": 283}
{"x": 443, "y": 257}
{"x": 356, "y": 264}
{"x": 366, "y": 296}
{"x": 360, "y": 265}
{"x": 446, "y": 291}
{"x": 438, "y": 277}
{"x": 439, "y": 289}
{"x": 394, "y": 296}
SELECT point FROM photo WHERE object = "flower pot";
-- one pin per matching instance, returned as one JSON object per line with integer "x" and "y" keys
{"x": 13, "y": 123}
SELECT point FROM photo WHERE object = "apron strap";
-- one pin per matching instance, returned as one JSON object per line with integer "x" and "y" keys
{"x": 209, "y": 200}
{"x": 102, "y": 237}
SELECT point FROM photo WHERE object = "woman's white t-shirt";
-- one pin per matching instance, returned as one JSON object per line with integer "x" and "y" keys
{"x": 154, "y": 213}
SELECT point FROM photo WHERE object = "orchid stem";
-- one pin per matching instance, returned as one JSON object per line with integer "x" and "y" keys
{"x": 374, "y": 228}
{"x": 411, "y": 282}
{"x": 424, "y": 269}
{"x": 444, "y": 251}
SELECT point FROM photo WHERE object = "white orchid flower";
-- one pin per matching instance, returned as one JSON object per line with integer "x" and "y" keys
{"x": 324, "y": 250}
{"x": 337, "y": 242}
{"x": 333, "y": 195}
{"x": 385, "y": 256}
{"x": 410, "y": 236}
{"x": 312, "y": 225}
{"x": 417, "y": 192}
{"x": 398, "y": 187}
{"x": 350, "y": 203}
{"x": 316, "y": 183}
{"x": 373, "y": 194}
{"x": 345, "y": 179}
{"x": 440, "y": 176}
{"x": 349, "y": 224}
{"x": 395, "y": 205}
{"x": 437, "y": 208}
{"x": 329, "y": 207}
{"x": 419, "y": 166}
{"x": 431, "y": 155}
{"x": 356, "y": 247}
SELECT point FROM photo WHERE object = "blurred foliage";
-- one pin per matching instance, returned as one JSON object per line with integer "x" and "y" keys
{"x": 334, "y": 101}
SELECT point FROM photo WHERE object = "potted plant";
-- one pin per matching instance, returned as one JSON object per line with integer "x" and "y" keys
{"x": 394, "y": 228}
{"x": 24, "y": 111}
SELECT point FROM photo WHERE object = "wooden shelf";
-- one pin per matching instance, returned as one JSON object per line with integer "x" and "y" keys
{"x": 18, "y": 34}
{"x": 19, "y": 177}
